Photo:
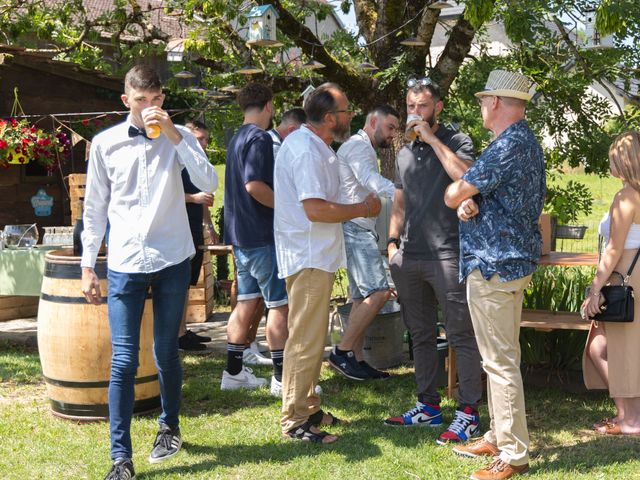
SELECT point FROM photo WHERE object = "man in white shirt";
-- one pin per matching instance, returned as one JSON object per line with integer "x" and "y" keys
{"x": 360, "y": 175}
{"x": 310, "y": 248}
{"x": 134, "y": 182}
{"x": 290, "y": 122}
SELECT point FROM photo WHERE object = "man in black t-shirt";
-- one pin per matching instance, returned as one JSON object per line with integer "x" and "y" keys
{"x": 248, "y": 226}
{"x": 197, "y": 204}
{"x": 423, "y": 250}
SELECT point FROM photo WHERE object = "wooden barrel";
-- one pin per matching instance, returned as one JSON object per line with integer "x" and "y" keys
{"x": 75, "y": 344}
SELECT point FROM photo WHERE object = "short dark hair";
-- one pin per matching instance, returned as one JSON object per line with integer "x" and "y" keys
{"x": 384, "y": 111}
{"x": 431, "y": 87}
{"x": 320, "y": 102}
{"x": 295, "y": 115}
{"x": 196, "y": 124}
{"x": 142, "y": 77}
{"x": 254, "y": 95}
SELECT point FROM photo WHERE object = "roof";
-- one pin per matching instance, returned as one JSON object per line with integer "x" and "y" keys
{"x": 36, "y": 60}
{"x": 261, "y": 10}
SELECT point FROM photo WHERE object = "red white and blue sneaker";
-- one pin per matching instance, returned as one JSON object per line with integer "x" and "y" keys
{"x": 465, "y": 424}
{"x": 422, "y": 415}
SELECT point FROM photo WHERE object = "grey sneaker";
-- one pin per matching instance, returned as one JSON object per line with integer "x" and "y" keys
{"x": 122, "y": 469}
{"x": 167, "y": 444}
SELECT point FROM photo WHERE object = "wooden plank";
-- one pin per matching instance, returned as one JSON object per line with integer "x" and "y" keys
{"x": 196, "y": 295}
{"x": 17, "y": 301}
{"x": 78, "y": 179}
{"x": 570, "y": 259}
{"x": 545, "y": 320}
{"x": 197, "y": 313}
{"x": 18, "y": 312}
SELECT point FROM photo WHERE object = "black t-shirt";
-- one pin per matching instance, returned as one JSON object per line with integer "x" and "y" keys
{"x": 430, "y": 227}
{"x": 248, "y": 223}
{"x": 194, "y": 210}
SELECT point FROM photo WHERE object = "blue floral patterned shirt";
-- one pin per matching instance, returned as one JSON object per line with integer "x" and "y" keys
{"x": 504, "y": 237}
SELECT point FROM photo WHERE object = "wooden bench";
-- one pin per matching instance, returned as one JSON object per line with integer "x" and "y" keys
{"x": 540, "y": 320}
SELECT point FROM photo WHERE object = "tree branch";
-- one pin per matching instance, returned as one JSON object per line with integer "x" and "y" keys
{"x": 454, "y": 53}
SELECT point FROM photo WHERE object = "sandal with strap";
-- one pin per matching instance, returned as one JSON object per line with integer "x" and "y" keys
{"x": 318, "y": 417}
{"x": 304, "y": 433}
{"x": 602, "y": 423}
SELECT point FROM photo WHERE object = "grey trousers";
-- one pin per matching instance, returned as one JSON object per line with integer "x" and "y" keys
{"x": 421, "y": 286}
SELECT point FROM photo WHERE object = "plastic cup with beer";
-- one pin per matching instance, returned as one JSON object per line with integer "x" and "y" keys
{"x": 153, "y": 129}
{"x": 410, "y": 134}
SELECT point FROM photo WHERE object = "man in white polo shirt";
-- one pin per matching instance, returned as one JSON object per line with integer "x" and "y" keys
{"x": 310, "y": 248}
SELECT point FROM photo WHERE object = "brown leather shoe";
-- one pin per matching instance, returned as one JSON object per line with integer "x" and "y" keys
{"x": 499, "y": 470}
{"x": 477, "y": 449}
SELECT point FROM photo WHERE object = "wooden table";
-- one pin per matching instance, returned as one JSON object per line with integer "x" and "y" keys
{"x": 541, "y": 320}
{"x": 219, "y": 249}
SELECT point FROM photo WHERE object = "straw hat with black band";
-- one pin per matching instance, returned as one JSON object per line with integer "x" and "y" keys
{"x": 502, "y": 83}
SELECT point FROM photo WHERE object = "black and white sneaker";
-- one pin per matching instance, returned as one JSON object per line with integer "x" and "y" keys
{"x": 122, "y": 469}
{"x": 167, "y": 444}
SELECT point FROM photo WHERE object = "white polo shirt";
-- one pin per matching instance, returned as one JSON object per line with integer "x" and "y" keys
{"x": 306, "y": 168}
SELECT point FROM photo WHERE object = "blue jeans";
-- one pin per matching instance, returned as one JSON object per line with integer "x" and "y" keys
{"x": 257, "y": 276}
{"x": 127, "y": 294}
{"x": 365, "y": 268}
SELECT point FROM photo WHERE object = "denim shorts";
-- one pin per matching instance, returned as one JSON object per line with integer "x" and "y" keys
{"x": 257, "y": 276}
{"x": 364, "y": 261}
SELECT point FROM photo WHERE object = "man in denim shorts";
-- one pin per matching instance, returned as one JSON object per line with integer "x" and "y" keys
{"x": 359, "y": 175}
{"x": 248, "y": 226}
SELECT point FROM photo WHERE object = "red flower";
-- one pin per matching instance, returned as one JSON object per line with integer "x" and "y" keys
{"x": 3, "y": 143}
{"x": 85, "y": 122}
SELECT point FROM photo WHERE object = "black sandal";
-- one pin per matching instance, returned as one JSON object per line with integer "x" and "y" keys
{"x": 316, "y": 419}
{"x": 304, "y": 433}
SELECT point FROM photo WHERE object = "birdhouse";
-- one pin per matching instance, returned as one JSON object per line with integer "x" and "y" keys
{"x": 262, "y": 26}
{"x": 593, "y": 39}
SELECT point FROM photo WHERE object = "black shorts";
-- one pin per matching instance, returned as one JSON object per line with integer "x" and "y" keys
{"x": 196, "y": 261}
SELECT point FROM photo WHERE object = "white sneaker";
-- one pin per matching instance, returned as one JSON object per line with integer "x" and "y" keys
{"x": 252, "y": 356}
{"x": 244, "y": 379}
{"x": 276, "y": 388}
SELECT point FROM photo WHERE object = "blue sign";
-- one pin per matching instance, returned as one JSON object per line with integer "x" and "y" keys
{"x": 42, "y": 203}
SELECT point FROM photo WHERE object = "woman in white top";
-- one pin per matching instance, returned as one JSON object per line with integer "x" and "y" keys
{"x": 612, "y": 354}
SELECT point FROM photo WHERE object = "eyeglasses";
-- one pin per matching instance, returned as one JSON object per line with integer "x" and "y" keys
{"x": 351, "y": 111}
{"x": 424, "y": 82}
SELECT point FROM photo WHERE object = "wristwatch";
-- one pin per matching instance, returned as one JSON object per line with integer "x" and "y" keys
{"x": 394, "y": 240}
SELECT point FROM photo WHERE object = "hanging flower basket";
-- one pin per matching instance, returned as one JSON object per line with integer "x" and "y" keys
{"x": 22, "y": 142}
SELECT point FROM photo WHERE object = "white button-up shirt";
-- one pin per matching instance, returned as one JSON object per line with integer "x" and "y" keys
{"x": 136, "y": 184}
{"x": 360, "y": 175}
{"x": 306, "y": 168}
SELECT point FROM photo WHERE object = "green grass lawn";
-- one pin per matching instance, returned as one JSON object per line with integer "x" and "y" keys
{"x": 235, "y": 435}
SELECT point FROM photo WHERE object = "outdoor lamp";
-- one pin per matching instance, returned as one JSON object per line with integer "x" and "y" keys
{"x": 312, "y": 65}
{"x": 439, "y": 5}
{"x": 413, "y": 42}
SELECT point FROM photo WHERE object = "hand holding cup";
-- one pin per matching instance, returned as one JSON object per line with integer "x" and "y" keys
{"x": 412, "y": 120}
{"x": 151, "y": 124}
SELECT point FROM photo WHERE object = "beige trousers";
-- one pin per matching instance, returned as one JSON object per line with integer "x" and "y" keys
{"x": 496, "y": 310}
{"x": 309, "y": 292}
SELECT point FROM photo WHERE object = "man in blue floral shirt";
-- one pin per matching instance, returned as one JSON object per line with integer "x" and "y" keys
{"x": 499, "y": 200}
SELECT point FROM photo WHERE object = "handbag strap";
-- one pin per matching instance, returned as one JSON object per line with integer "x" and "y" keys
{"x": 633, "y": 264}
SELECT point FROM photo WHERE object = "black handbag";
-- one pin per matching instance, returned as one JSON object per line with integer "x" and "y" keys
{"x": 617, "y": 300}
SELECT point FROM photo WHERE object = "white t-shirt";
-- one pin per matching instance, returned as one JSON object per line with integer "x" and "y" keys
{"x": 306, "y": 168}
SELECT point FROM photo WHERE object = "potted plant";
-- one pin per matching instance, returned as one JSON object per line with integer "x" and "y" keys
{"x": 22, "y": 142}
{"x": 565, "y": 204}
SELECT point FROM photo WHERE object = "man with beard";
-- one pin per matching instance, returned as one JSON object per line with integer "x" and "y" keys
{"x": 310, "y": 248}
{"x": 424, "y": 263}
{"x": 360, "y": 175}
{"x": 248, "y": 226}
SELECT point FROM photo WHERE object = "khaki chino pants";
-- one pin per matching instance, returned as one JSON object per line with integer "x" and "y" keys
{"x": 496, "y": 310}
{"x": 309, "y": 293}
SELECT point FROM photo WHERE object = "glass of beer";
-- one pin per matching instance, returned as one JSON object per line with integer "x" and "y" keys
{"x": 152, "y": 130}
{"x": 410, "y": 134}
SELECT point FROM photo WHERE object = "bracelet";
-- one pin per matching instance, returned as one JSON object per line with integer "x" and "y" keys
{"x": 368, "y": 209}
{"x": 595, "y": 294}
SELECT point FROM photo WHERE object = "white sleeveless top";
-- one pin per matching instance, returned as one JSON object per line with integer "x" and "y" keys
{"x": 632, "y": 241}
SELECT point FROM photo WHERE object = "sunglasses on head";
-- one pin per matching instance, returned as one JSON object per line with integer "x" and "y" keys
{"x": 424, "y": 82}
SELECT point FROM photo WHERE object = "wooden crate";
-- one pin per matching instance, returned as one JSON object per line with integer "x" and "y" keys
{"x": 12, "y": 307}
{"x": 200, "y": 303}
{"x": 77, "y": 183}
